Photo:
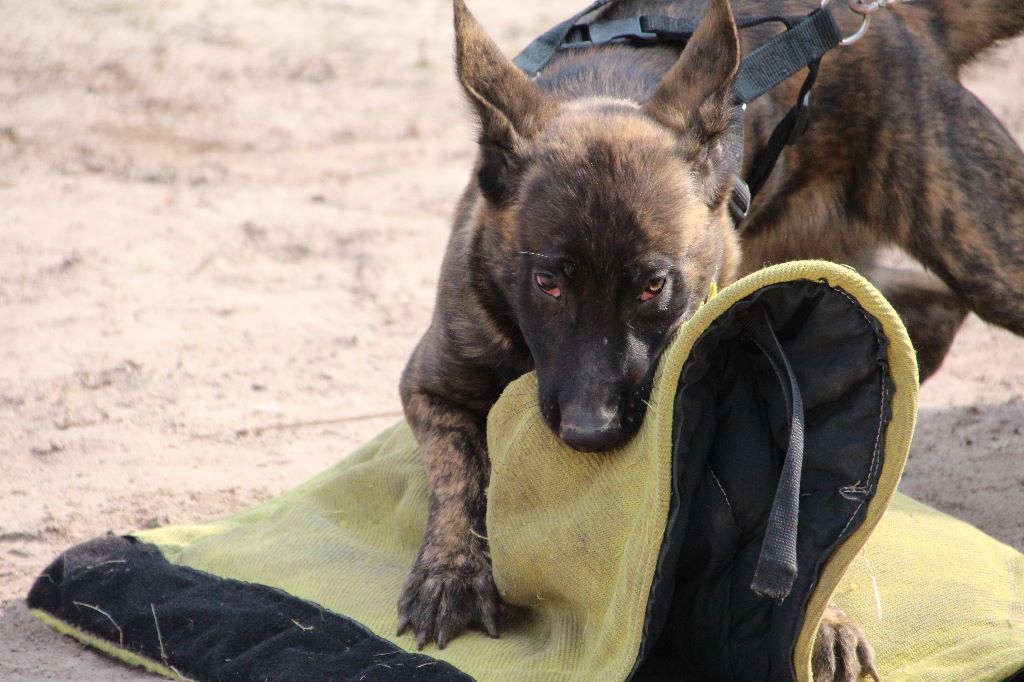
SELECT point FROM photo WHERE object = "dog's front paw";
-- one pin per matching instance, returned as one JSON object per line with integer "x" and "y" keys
{"x": 842, "y": 652}
{"x": 445, "y": 593}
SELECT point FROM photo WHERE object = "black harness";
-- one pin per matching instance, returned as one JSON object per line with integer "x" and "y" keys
{"x": 802, "y": 45}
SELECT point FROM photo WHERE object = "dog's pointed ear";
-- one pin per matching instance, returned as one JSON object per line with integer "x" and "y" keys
{"x": 511, "y": 109}
{"x": 696, "y": 97}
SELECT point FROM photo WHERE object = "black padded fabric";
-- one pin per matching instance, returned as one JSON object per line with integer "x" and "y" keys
{"x": 211, "y": 628}
{"x": 731, "y": 431}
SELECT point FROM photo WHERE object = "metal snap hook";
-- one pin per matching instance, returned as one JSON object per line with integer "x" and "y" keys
{"x": 866, "y": 13}
{"x": 865, "y": 8}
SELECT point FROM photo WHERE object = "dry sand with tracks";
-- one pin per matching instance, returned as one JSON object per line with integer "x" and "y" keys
{"x": 220, "y": 231}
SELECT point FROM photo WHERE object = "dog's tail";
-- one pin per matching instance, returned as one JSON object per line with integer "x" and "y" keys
{"x": 972, "y": 25}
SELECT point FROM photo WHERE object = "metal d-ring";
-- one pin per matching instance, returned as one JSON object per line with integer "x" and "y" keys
{"x": 865, "y": 22}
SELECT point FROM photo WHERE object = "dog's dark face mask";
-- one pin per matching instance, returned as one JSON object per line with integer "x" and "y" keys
{"x": 604, "y": 219}
{"x": 615, "y": 250}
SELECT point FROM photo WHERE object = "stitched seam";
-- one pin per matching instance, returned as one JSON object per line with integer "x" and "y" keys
{"x": 719, "y": 483}
{"x": 881, "y": 407}
{"x": 875, "y": 460}
{"x": 852, "y": 517}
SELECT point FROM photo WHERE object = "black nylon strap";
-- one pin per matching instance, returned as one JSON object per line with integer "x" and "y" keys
{"x": 538, "y": 53}
{"x": 739, "y": 199}
{"x": 806, "y": 40}
{"x": 776, "y": 566}
{"x": 669, "y": 26}
{"x": 630, "y": 29}
{"x": 786, "y": 132}
{"x": 650, "y": 29}
{"x": 787, "y": 53}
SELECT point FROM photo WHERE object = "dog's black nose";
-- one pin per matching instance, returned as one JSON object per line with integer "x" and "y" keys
{"x": 591, "y": 431}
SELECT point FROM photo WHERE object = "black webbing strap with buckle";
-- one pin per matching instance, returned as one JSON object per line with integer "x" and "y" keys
{"x": 801, "y": 45}
{"x": 776, "y": 565}
{"x": 642, "y": 30}
{"x": 537, "y": 54}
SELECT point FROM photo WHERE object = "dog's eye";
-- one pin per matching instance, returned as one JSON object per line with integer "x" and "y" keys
{"x": 654, "y": 288}
{"x": 548, "y": 284}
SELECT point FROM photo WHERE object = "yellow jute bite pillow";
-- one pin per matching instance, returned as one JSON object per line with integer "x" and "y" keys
{"x": 602, "y": 560}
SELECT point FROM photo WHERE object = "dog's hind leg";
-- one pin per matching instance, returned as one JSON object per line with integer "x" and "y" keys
{"x": 973, "y": 238}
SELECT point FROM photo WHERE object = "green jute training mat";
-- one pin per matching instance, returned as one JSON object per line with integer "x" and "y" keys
{"x": 636, "y": 563}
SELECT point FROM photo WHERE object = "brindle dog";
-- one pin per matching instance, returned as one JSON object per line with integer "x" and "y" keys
{"x": 596, "y": 221}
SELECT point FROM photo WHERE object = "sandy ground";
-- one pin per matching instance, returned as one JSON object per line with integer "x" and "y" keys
{"x": 221, "y": 230}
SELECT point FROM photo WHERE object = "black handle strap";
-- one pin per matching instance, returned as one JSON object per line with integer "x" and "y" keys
{"x": 776, "y": 566}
